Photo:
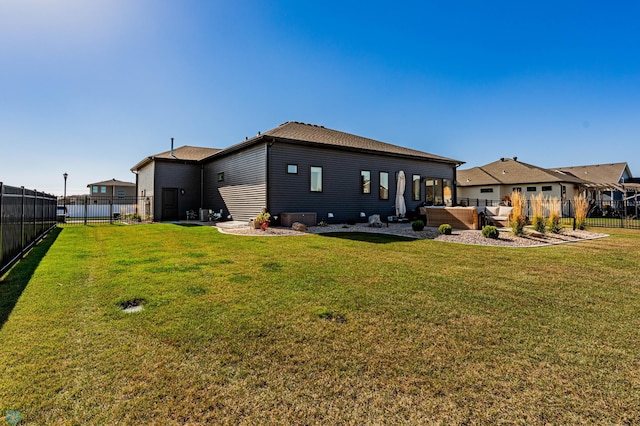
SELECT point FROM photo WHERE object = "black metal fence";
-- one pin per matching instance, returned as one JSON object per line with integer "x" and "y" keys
{"x": 605, "y": 214}
{"x": 83, "y": 210}
{"x": 25, "y": 217}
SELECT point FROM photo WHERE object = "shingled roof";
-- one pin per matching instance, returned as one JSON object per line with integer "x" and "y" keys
{"x": 507, "y": 171}
{"x": 598, "y": 173}
{"x": 184, "y": 153}
{"x": 112, "y": 182}
{"x": 302, "y": 133}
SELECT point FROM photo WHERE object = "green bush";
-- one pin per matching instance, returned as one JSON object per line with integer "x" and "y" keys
{"x": 538, "y": 223}
{"x": 417, "y": 225}
{"x": 490, "y": 232}
{"x": 445, "y": 229}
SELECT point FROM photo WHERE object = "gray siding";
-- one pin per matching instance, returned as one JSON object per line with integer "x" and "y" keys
{"x": 181, "y": 176}
{"x": 341, "y": 181}
{"x": 243, "y": 193}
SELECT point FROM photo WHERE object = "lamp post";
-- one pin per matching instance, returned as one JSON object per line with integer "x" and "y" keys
{"x": 65, "y": 175}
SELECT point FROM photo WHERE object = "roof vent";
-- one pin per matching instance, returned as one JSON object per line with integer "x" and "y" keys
{"x": 502, "y": 159}
{"x": 172, "y": 154}
{"x": 515, "y": 158}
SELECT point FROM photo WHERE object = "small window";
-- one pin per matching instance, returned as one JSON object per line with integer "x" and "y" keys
{"x": 103, "y": 189}
{"x": 546, "y": 188}
{"x": 221, "y": 177}
{"x": 316, "y": 179}
{"x": 416, "y": 188}
{"x": 517, "y": 189}
{"x": 120, "y": 193}
{"x": 292, "y": 169}
{"x": 365, "y": 181}
{"x": 486, "y": 190}
{"x": 94, "y": 189}
{"x": 531, "y": 189}
{"x": 384, "y": 186}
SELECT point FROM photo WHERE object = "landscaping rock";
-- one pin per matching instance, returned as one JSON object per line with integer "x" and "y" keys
{"x": 374, "y": 221}
{"x": 297, "y": 226}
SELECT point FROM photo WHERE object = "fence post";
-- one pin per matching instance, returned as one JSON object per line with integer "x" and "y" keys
{"x": 86, "y": 201}
{"x": 22, "y": 245}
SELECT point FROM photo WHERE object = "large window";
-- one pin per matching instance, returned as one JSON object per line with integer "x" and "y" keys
{"x": 434, "y": 192}
{"x": 365, "y": 181}
{"x": 447, "y": 190}
{"x": 415, "y": 188}
{"x": 384, "y": 185}
{"x": 316, "y": 179}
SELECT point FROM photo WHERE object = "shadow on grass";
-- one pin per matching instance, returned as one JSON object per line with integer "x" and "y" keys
{"x": 13, "y": 283}
{"x": 368, "y": 237}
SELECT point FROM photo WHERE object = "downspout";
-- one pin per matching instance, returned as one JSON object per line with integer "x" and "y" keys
{"x": 267, "y": 171}
{"x": 202, "y": 186}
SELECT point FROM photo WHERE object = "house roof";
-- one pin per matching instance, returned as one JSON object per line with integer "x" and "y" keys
{"x": 598, "y": 173}
{"x": 507, "y": 171}
{"x": 184, "y": 153}
{"x": 112, "y": 182}
{"x": 296, "y": 132}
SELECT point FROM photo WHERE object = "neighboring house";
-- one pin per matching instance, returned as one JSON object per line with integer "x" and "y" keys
{"x": 112, "y": 188}
{"x": 170, "y": 183}
{"x": 495, "y": 181}
{"x": 299, "y": 167}
{"x": 605, "y": 182}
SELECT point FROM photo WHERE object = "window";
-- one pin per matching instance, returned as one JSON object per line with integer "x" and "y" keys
{"x": 221, "y": 177}
{"x": 447, "y": 191}
{"x": 416, "y": 188}
{"x": 546, "y": 188}
{"x": 486, "y": 190}
{"x": 384, "y": 186}
{"x": 120, "y": 193}
{"x": 316, "y": 179}
{"x": 365, "y": 181}
{"x": 434, "y": 195}
{"x": 103, "y": 189}
{"x": 292, "y": 169}
{"x": 517, "y": 189}
{"x": 531, "y": 189}
{"x": 94, "y": 189}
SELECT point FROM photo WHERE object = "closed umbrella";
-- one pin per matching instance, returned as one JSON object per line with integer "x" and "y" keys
{"x": 401, "y": 207}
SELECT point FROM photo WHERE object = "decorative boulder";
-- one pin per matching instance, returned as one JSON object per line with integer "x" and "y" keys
{"x": 297, "y": 226}
{"x": 374, "y": 221}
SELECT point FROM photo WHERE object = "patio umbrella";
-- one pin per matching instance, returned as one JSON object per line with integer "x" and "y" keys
{"x": 401, "y": 207}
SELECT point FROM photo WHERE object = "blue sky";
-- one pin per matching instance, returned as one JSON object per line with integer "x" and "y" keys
{"x": 92, "y": 87}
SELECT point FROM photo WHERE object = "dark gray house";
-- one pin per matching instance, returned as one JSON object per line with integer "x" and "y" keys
{"x": 299, "y": 167}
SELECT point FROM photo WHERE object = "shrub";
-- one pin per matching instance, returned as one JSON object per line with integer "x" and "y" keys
{"x": 537, "y": 207}
{"x": 553, "y": 222}
{"x": 417, "y": 225}
{"x": 518, "y": 220}
{"x": 490, "y": 231}
{"x": 445, "y": 229}
{"x": 581, "y": 207}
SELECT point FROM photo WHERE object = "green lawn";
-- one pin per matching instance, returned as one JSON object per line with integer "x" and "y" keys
{"x": 318, "y": 329}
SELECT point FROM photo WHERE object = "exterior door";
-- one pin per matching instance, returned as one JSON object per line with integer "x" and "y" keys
{"x": 170, "y": 204}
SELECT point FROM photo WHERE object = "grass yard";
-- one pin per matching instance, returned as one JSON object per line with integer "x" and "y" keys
{"x": 318, "y": 329}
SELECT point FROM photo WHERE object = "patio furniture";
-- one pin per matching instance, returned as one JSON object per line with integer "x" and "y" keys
{"x": 457, "y": 217}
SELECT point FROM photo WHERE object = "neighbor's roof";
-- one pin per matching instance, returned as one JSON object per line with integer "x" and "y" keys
{"x": 508, "y": 171}
{"x": 184, "y": 153}
{"x": 598, "y": 173}
{"x": 296, "y": 132}
{"x": 112, "y": 182}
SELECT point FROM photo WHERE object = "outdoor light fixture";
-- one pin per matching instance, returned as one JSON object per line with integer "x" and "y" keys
{"x": 182, "y": 191}
{"x": 330, "y": 215}
{"x": 362, "y": 214}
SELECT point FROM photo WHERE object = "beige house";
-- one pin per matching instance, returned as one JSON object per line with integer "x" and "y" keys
{"x": 495, "y": 181}
{"x": 112, "y": 188}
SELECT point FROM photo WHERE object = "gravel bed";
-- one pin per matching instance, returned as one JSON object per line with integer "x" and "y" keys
{"x": 505, "y": 239}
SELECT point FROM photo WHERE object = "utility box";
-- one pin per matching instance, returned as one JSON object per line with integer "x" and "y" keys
{"x": 205, "y": 215}
{"x": 308, "y": 218}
